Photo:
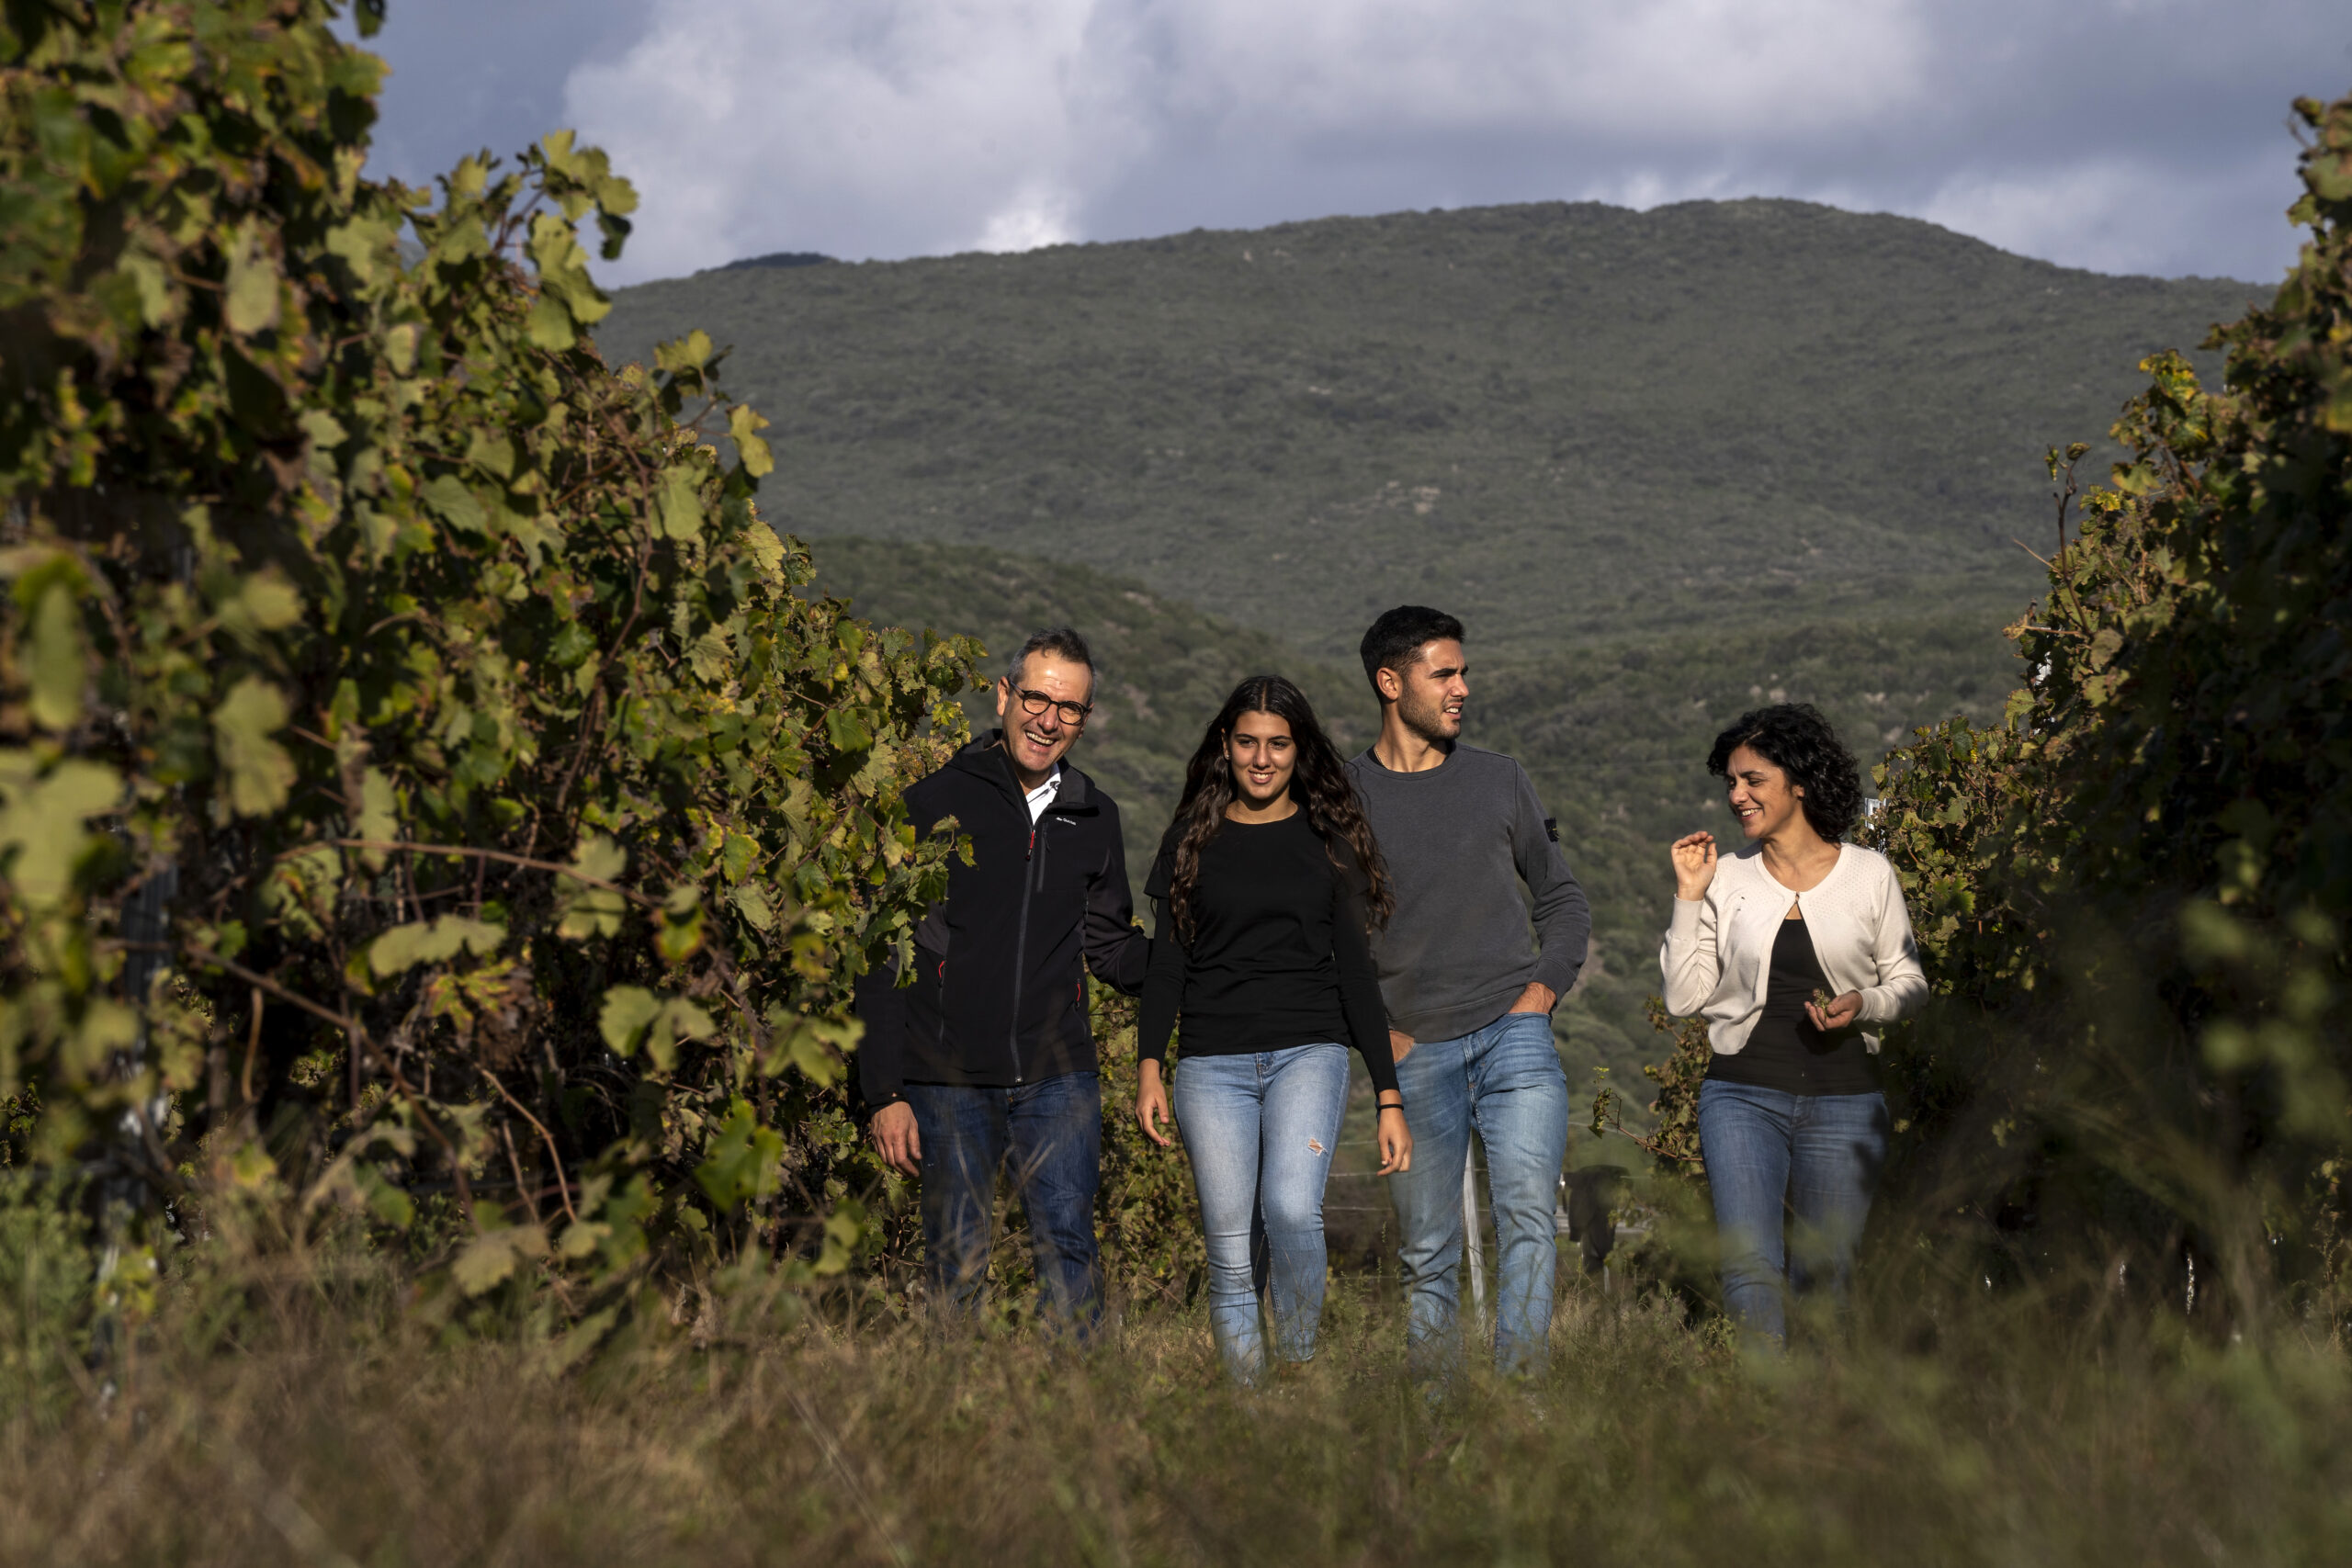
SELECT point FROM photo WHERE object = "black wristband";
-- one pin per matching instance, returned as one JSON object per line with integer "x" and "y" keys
{"x": 1379, "y": 1106}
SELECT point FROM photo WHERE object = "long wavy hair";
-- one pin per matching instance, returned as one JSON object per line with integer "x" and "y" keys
{"x": 1318, "y": 781}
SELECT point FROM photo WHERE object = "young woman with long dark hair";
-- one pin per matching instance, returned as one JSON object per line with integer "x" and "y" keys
{"x": 1795, "y": 950}
{"x": 1266, "y": 889}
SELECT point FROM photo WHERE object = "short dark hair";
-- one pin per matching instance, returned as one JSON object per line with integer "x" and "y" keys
{"x": 1063, "y": 641}
{"x": 1399, "y": 634}
{"x": 1795, "y": 739}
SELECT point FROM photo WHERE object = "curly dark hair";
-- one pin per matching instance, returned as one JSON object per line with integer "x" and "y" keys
{"x": 1318, "y": 783}
{"x": 1795, "y": 739}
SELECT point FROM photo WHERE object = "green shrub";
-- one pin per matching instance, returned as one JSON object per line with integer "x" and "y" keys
{"x": 420, "y": 773}
{"x": 2133, "y": 894}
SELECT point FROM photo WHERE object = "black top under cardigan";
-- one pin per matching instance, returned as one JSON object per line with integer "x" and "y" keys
{"x": 1784, "y": 1051}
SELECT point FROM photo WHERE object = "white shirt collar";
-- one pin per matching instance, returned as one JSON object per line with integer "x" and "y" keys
{"x": 1043, "y": 795}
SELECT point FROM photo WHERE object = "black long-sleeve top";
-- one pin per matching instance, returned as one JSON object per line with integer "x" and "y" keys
{"x": 1280, "y": 954}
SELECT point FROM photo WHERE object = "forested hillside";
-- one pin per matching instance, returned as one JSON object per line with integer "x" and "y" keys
{"x": 1561, "y": 421}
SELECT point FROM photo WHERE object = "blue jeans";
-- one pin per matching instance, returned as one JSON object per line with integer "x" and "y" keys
{"x": 1053, "y": 1131}
{"x": 1811, "y": 1157}
{"x": 1260, "y": 1130}
{"x": 1505, "y": 1081}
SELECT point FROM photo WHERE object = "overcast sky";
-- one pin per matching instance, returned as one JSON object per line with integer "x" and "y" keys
{"x": 2124, "y": 135}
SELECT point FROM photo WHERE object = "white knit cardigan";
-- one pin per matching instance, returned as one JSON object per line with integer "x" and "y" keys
{"x": 1718, "y": 951}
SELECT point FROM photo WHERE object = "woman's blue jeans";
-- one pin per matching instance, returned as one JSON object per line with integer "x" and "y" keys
{"x": 1792, "y": 1176}
{"x": 1261, "y": 1130}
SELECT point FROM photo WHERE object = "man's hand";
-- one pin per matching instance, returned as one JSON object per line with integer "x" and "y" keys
{"x": 1401, "y": 1044}
{"x": 1151, "y": 1103}
{"x": 897, "y": 1139}
{"x": 1537, "y": 998}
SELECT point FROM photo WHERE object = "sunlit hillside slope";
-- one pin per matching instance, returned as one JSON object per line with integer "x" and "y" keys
{"x": 1562, "y": 422}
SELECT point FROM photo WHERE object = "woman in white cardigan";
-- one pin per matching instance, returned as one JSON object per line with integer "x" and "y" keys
{"x": 1792, "y": 949}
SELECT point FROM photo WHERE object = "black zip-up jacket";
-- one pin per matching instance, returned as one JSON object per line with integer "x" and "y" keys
{"x": 998, "y": 994}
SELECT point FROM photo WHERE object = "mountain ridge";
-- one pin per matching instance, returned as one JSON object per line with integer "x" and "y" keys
{"x": 1562, "y": 420}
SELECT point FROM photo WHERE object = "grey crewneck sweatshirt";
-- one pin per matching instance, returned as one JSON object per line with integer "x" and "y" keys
{"x": 1459, "y": 838}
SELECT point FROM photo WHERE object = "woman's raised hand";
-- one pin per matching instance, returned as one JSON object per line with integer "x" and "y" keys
{"x": 1151, "y": 1104}
{"x": 1396, "y": 1141}
{"x": 1695, "y": 865}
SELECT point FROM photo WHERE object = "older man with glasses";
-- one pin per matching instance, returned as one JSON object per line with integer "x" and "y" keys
{"x": 981, "y": 1054}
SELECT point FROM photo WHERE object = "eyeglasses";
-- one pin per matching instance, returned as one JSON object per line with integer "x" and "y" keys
{"x": 1036, "y": 703}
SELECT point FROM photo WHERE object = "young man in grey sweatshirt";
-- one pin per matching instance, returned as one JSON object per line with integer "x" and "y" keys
{"x": 1470, "y": 975}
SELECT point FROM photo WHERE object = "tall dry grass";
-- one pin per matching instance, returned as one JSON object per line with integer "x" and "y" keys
{"x": 281, "y": 1425}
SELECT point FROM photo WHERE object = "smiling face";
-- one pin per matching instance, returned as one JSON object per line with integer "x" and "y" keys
{"x": 1263, "y": 754}
{"x": 1762, "y": 798}
{"x": 1430, "y": 691}
{"x": 1036, "y": 741}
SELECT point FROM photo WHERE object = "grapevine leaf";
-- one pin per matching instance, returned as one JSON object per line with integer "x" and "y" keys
{"x": 260, "y": 772}
{"x": 624, "y": 1018}
{"x": 41, "y": 818}
{"x": 766, "y": 549}
{"x": 848, "y": 732}
{"x": 436, "y": 941}
{"x": 681, "y": 503}
{"x": 251, "y": 302}
{"x": 594, "y": 912}
{"x": 752, "y": 904}
{"x": 457, "y": 505}
{"x": 742, "y": 424}
{"x": 679, "y": 1020}
{"x": 550, "y": 325}
{"x": 59, "y": 666}
{"x": 491, "y": 1256}
{"x": 746, "y": 1159}
{"x": 379, "y": 820}
{"x": 632, "y": 1017}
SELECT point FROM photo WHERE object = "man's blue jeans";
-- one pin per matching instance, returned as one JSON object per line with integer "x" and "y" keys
{"x": 1260, "y": 1130}
{"x": 1052, "y": 1131}
{"x": 1504, "y": 1080}
{"x": 1773, "y": 1157}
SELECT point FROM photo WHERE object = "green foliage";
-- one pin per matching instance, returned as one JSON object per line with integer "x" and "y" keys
{"x": 2135, "y": 891}
{"x": 418, "y": 763}
{"x": 1563, "y": 422}
{"x": 1673, "y": 1137}
{"x": 1146, "y": 1213}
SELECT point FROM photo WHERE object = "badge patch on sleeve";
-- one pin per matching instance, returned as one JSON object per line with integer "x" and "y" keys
{"x": 1552, "y": 828}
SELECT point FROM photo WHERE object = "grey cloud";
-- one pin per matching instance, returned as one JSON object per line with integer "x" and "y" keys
{"x": 470, "y": 74}
{"x": 2129, "y": 135}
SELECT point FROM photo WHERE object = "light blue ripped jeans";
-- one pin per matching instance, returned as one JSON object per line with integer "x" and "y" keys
{"x": 1260, "y": 1130}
